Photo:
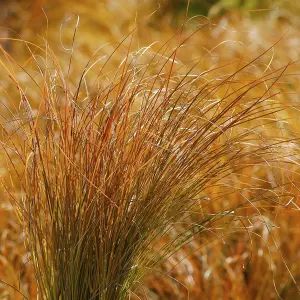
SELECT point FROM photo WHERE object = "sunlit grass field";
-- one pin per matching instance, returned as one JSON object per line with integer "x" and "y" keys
{"x": 248, "y": 246}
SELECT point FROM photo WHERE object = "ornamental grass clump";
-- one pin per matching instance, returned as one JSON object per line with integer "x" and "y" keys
{"x": 110, "y": 162}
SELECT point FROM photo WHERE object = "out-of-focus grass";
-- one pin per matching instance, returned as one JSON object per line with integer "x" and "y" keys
{"x": 235, "y": 266}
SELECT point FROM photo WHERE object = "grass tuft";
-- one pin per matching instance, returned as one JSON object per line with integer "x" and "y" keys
{"x": 112, "y": 161}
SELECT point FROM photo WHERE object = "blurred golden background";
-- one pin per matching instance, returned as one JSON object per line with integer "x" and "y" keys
{"x": 233, "y": 266}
